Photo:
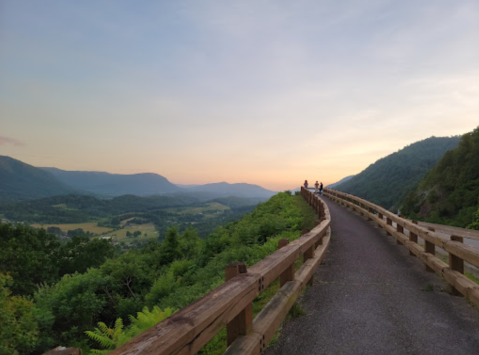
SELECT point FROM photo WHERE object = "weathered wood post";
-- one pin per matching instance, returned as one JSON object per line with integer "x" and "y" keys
{"x": 371, "y": 211}
{"x": 389, "y": 223}
{"x": 429, "y": 248}
{"x": 456, "y": 263}
{"x": 400, "y": 229}
{"x": 308, "y": 254}
{"x": 288, "y": 274}
{"x": 412, "y": 238}
{"x": 243, "y": 322}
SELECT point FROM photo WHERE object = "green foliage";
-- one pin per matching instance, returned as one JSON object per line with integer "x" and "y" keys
{"x": 33, "y": 256}
{"x": 70, "y": 307}
{"x": 475, "y": 223}
{"x": 29, "y": 255}
{"x": 111, "y": 338}
{"x": 449, "y": 192}
{"x": 170, "y": 274}
{"x": 107, "y": 338}
{"x": 390, "y": 179}
{"x": 81, "y": 253}
{"x": 19, "y": 328}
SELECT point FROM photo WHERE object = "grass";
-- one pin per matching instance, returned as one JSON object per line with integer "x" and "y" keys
{"x": 471, "y": 277}
{"x": 307, "y": 211}
{"x": 212, "y": 206}
{"x": 91, "y": 227}
{"x": 148, "y": 228}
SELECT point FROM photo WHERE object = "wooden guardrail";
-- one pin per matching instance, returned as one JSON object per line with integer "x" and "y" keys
{"x": 452, "y": 272}
{"x": 230, "y": 305}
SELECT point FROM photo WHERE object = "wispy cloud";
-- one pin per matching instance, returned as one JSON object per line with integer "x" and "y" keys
{"x": 12, "y": 141}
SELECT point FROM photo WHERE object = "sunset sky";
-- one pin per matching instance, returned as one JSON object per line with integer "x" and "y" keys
{"x": 263, "y": 92}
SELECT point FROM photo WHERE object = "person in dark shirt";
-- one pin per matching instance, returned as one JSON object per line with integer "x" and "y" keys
{"x": 321, "y": 189}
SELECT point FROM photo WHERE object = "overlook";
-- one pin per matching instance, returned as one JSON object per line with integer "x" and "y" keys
{"x": 151, "y": 161}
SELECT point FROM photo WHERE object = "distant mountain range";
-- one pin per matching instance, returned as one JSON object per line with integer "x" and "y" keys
{"x": 332, "y": 186}
{"x": 115, "y": 184}
{"x": 22, "y": 182}
{"x": 224, "y": 189}
{"x": 390, "y": 179}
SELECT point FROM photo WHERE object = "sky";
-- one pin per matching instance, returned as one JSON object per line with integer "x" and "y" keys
{"x": 264, "y": 92}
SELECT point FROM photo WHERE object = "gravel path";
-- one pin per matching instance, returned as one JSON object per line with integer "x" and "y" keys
{"x": 371, "y": 297}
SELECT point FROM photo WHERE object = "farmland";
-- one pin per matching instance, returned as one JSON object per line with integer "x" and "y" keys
{"x": 91, "y": 227}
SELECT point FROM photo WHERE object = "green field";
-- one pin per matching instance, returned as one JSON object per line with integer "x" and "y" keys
{"x": 87, "y": 227}
{"x": 212, "y": 206}
{"x": 148, "y": 228}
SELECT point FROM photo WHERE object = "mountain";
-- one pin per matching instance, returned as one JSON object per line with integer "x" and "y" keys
{"x": 115, "y": 184}
{"x": 223, "y": 189}
{"x": 20, "y": 182}
{"x": 449, "y": 193}
{"x": 236, "y": 202}
{"x": 336, "y": 184}
{"x": 390, "y": 179}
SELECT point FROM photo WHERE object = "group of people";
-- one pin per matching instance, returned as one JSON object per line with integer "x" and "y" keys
{"x": 318, "y": 187}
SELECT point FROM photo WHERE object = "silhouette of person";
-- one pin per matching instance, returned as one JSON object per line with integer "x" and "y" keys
{"x": 321, "y": 189}
{"x": 305, "y": 184}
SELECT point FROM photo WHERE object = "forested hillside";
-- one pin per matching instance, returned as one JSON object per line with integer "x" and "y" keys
{"x": 169, "y": 275}
{"x": 390, "y": 179}
{"x": 20, "y": 182}
{"x": 449, "y": 193}
{"x": 115, "y": 184}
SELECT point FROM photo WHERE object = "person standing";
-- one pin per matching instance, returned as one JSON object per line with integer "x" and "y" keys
{"x": 321, "y": 189}
{"x": 316, "y": 186}
{"x": 305, "y": 184}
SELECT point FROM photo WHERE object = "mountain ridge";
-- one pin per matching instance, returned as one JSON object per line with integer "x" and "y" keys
{"x": 387, "y": 181}
{"x": 20, "y": 181}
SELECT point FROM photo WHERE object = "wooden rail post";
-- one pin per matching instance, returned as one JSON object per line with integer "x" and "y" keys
{"x": 390, "y": 223}
{"x": 412, "y": 238}
{"x": 243, "y": 322}
{"x": 429, "y": 248}
{"x": 370, "y": 210}
{"x": 400, "y": 229}
{"x": 288, "y": 274}
{"x": 308, "y": 254}
{"x": 456, "y": 263}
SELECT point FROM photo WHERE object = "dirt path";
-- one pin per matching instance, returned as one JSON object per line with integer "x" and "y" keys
{"x": 371, "y": 297}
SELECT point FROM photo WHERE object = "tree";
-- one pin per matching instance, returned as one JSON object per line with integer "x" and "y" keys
{"x": 170, "y": 246}
{"x": 19, "y": 329}
{"x": 29, "y": 255}
{"x": 81, "y": 253}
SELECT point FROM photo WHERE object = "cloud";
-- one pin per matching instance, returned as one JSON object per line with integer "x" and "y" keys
{"x": 12, "y": 141}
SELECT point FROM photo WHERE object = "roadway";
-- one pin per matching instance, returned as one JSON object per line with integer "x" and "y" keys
{"x": 371, "y": 297}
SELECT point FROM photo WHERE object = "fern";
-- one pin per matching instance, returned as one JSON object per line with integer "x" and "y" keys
{"x": 109, "y": 339}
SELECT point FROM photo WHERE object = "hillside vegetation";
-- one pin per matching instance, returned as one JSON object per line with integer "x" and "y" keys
{"x": 20, "y": 182}
{"x": 168, "y": 275}
{"x": 449, "y": 193}
{"x": 390, "y": 179}
{"x": 115, "y": 184}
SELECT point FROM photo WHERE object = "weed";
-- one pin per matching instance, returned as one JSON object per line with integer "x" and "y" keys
{"x": 428, "y": 288}
{"x": 295, "y": 312}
